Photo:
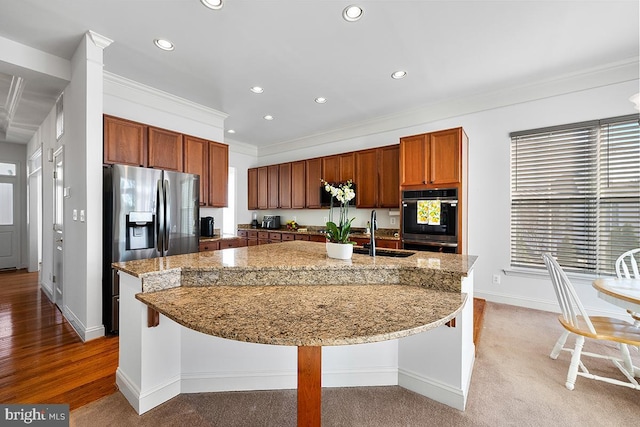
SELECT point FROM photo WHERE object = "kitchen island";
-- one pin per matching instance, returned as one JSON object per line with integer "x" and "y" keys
{"x": 231, "y": 319}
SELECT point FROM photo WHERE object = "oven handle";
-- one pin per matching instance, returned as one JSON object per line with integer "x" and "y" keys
{"x": 442, "y": 244}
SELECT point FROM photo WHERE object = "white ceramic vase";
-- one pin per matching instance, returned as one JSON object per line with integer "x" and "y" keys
{"x": 339, "y": 250}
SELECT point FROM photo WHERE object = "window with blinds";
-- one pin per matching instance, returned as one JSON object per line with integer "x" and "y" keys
{"x": 575, "y": 192}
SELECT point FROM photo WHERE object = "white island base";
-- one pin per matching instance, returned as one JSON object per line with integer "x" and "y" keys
{"x": 158, "y": 363}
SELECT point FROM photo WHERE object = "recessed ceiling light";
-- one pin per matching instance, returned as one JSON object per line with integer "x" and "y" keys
{"x": 352, "y": 13}
{"x": 257, "y": 89}
{"x": 212, "y": 4}
{"x": 231, "y": 131}
{"x": 268, "y": 117}
{"x": 398, "y": 75}
{"x": 164, "y": 44}
{"x": 321, "y": 100}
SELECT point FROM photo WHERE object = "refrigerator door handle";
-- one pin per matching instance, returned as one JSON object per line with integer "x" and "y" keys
{"x": 160, "y": 217}
{"x": 167, "y": 219}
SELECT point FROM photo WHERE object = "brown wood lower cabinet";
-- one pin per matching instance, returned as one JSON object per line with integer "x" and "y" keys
{"x": 209, "y": 246}
{"x": 380, "y": 243}
{"x": 300, "y": 236}
{"x": 237, "y": 242}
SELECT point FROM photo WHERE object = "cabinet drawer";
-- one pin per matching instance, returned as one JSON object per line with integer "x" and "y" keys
{"x": 317, "y": 238}
{"x": 243, "y": 233}
{"x": 232, "y": 243}
{"x": 390, "y": 244}
{"x": 263, "y": 235}
{"x": 275, "y": 236}
{"x": 252, "y": 234}
{"x": 301, "y": 236}
{"x": 208, "y": 246}
{"x": 288, "y": 236}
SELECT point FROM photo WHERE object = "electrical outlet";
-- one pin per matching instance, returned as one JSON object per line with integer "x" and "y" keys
{"x": 392, "y": 220}
{"x": 496, "y": 279}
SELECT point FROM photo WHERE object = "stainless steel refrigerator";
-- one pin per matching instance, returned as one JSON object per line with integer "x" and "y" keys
{"x": 148, "y": 213}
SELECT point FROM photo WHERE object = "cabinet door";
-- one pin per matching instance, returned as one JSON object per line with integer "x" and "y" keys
{"x": 272, "y": 186}
{"x": 347, "y": 167}
{"x": 165, "y": 149}
{"x": 218, "y": 174}
{"x": 298, "y": 190}
{"x": 196, "y": 157}
{"x": 413, "y": 160}
{"x": 284, "y": 185}
{"x": 125, "y": 142}
{"x": 366, "y": 178}
{"x": 252, "y": 188}
{"x": 263, "y": 194}
{"x": 445, "y": 149}
{"x": 331, "y": 169}
{"x": 313, "y": 176}
{"x": 388, "y": 172}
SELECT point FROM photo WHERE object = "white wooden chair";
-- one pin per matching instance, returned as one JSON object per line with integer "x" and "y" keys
{"x": 575, "y": 321}
{"x": 627, "y": 267}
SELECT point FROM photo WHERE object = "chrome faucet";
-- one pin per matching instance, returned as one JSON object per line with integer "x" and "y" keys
{"x": 372, "y": 239}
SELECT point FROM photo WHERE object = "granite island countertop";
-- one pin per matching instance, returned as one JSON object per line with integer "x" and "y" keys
{"x": 307, "y": 315}
{"x": 291, "y": 293}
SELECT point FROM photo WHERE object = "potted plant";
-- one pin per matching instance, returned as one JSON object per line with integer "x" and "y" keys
{"x": 338, "y": 244}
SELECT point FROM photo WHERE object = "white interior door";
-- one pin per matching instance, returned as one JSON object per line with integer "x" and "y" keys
{"x": 9, "y": 224}
{"x": 58, "y": 226}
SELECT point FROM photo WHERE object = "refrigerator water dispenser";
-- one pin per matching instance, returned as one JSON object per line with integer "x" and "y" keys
{"x": 140, "y": 227}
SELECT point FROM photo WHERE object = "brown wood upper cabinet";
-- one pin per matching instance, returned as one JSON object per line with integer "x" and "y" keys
{"x": 263, "y": 193}
{"x": 165, "y": 149}
{"x": 273, "y": 190}
{"x": 208, "y": 159}
{"x": 432, "y": 159}
{"x": 298, "y": 184}
{"x": 313, "y": 173}
{"x": 284, "y": 185}
{"x": 196, "y": 161}
{"x": 338, "y": 168}
{"x": 252, "y": 184}
{"x": 125, "y": 142}
{"x": 377, "y": 178}
{"x": 218, "y": 174}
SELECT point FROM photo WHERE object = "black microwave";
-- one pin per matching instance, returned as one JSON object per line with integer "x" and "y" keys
{"x": 325, "y": 196}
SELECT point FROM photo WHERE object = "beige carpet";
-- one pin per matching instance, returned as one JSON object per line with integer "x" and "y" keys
{"x": 514, "y": 383}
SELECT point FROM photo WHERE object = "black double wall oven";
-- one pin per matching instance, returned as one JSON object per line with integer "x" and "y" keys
{"x": 430, "y": 220}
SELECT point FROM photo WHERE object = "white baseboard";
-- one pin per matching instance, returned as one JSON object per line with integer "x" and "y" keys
{"x": 152, "y": 398}
{"x": 539, "y": 304}
{"x": 440, "y": 392}
{"x": 361, "y": 378}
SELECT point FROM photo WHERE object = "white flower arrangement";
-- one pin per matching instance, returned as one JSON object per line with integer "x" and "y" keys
{"x": 343, "y": 193}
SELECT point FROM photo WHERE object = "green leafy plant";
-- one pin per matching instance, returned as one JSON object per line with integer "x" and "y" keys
{"x": 343, "y": 193}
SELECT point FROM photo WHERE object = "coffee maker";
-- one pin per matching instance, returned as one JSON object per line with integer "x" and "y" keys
{"x": 254, "y": 221}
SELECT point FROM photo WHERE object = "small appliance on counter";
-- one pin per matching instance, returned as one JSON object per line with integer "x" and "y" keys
{"x": 254, "y": 221}
{"x": 271, "y": 222}
{"x": 207, "y": 226}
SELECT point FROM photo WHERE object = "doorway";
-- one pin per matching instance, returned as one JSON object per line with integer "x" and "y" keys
{"x": 9, "y": 216}
{"x": 58, "y": 226}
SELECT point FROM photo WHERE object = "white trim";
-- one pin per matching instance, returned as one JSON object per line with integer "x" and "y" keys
{"x": 154, "y": 397}
{"x": 435, "y": 390}
{"x": 99, "y": 40}
{"x": 148, "y": 96}
{"x": 241, "y": 147}
{"x": 614, "y": 73}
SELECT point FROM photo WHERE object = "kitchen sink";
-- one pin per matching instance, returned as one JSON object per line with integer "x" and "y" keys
{"x": 384, "y": 252}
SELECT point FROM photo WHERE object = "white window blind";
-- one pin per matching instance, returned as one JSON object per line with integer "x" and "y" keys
{"x": 575, "y": 192}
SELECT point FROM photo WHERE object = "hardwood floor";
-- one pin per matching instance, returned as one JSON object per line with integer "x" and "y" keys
{"x": 42, "y": 359}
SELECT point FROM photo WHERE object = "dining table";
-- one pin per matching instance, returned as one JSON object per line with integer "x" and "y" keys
{"x": 622, "y": 292}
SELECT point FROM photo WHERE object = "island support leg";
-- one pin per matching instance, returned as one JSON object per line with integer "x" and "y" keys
{"x": 309, "y": 386}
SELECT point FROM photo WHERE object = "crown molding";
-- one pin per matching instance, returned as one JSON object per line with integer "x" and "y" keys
{"x": 149, "y": 97}
{"x": 241, "y": 147}
{"x": 613, "y": 73}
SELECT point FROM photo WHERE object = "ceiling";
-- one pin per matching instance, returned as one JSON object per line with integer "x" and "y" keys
{"x": 298, "y": 50}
